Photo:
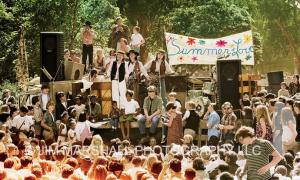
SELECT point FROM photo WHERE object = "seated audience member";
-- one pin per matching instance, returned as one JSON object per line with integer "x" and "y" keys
{"x": 94, "y": 109}
{"x": 172, "y": 99}
{"x": 152, "y": 110}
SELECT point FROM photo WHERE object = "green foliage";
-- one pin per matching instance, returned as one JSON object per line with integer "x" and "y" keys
{"x": 13, "y": 87}
{"x": 37, "y": 16}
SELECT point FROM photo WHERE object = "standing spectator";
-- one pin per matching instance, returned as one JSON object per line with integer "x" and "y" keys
{"x": 213, "y": 121}
{"x": 137, "y": 39}
{"x": 263, "y": 124}
{"x": 49, "y": 124}
{"x": 61, "y": 104}
{"x": 297, "y": 116}
{"x": 44, "y": 97}
{"x": 99, "y": 60}
{"x": 37, "y": 117}
{"x": 289, "y": 129}
{"x": 119, "y": 31}
{"x": 192, "y": 119}
{"x": 283, "y": 91}
{"x": 294, "y": 86}
{"x": 174, "y": 125}
{"x": 152, "y": 110}
{"x": 118, "y": 73}
{"x": 123, "y": 45}
{"x": 110, "y": 59}
{"x": 71, "y": 133}
{"x": 62, "y": 130}
{"x": 87, "y": 36}
{"x": 277, "y": 126}
{"x": 228, "y": 121}
{"x": 7, "y": 97}
{"x": 173, "y": 99}
{"x": 256, "y": 152}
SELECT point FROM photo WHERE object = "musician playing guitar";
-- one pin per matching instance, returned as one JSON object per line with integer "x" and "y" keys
{"x": 158, "y": 69}
{"x": 135, "y": 70}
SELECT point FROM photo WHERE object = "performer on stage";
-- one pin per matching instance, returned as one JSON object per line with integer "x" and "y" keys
{"x": 158, "y": 68}
{"x": 135, "y": 70}
{"x": 118, "y": 73}
{"x": 87, "y": 35}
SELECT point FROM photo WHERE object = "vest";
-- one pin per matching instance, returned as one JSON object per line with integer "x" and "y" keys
{"x": 192, "y": 122}
{"x": 121, "y": 71}
{"x": 162, "y": 67}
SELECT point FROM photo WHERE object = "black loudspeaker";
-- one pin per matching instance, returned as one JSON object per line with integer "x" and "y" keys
{"x": 52, "y": 55}
{"x": 176, "y": 83}
{"x": 275, "y": 78}
{"x": 228, "y": 83}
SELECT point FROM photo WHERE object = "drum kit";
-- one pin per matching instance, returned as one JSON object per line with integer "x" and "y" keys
{"x": 201, "y": 97}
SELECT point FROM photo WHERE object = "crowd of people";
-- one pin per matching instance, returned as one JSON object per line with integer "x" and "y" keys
{"x": 54, "y": 139}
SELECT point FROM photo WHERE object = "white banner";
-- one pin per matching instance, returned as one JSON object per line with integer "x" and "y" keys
{"x": 189, "y": 50}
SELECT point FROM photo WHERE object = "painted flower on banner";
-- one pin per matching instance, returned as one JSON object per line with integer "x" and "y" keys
{"x": 221, "y": 43}
{"x": 247, "y": 38}
{"x": 191, "y": 41}
{"x": 169, "y": 39}
{"x": 248, "y": 57}
{"x": 194, "y": 58}
{"x": 180, "y": 58}
{"x": 201, "y": 42}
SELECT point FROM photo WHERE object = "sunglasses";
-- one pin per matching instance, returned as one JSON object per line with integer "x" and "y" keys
{"x": 150, "y": 91}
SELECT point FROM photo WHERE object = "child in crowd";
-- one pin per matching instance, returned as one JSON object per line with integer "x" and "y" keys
{"x": 79, "y": 107}
{"x": 72, "y": 133}
{"x": 62, "y": 132}
{"x": 173, "y": 99}
{"x": 130, "y": 110}
{"x": 114, "y": 115}
{"x": 284, "y": 90}
{"x": 136, "y": 39}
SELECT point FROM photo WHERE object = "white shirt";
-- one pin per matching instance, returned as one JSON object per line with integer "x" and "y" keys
{"x": 79, "y": 109}
{"x": 18, "y": 121}
{"x": 142, "y": 68}
{"x": 131, "y": 106}
{"x": 136, "y": 39}
{"x": 80, "y": 126}
{"x": 45, "y": 99}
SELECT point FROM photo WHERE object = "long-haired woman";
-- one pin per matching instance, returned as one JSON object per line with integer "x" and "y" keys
{"x": 263, "y": 124}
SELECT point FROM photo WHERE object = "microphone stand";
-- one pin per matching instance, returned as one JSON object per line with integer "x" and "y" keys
{"x": 58, "y": 69}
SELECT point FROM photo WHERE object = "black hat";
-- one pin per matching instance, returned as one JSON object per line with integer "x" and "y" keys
{"x": 88, "y": 23}
{"x": 133, "y": 51}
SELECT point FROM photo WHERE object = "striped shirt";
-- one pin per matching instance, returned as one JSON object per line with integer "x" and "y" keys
{"x": 257, "y": 155}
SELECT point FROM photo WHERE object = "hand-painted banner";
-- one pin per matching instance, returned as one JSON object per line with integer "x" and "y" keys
{"x": 189, "y": 50}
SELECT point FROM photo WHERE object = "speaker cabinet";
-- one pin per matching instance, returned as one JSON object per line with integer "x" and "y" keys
{"x": 228, "y": 82}
{"x": 275, "y": 78}
{"x": 73, "y": 70}
{"x": 52, "y": 55}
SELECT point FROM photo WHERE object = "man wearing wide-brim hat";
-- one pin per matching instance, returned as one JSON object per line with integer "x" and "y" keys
{"x": 136, "y": 69}
{"x": 87, "y": 36}
{"x": 118, "y": 73}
